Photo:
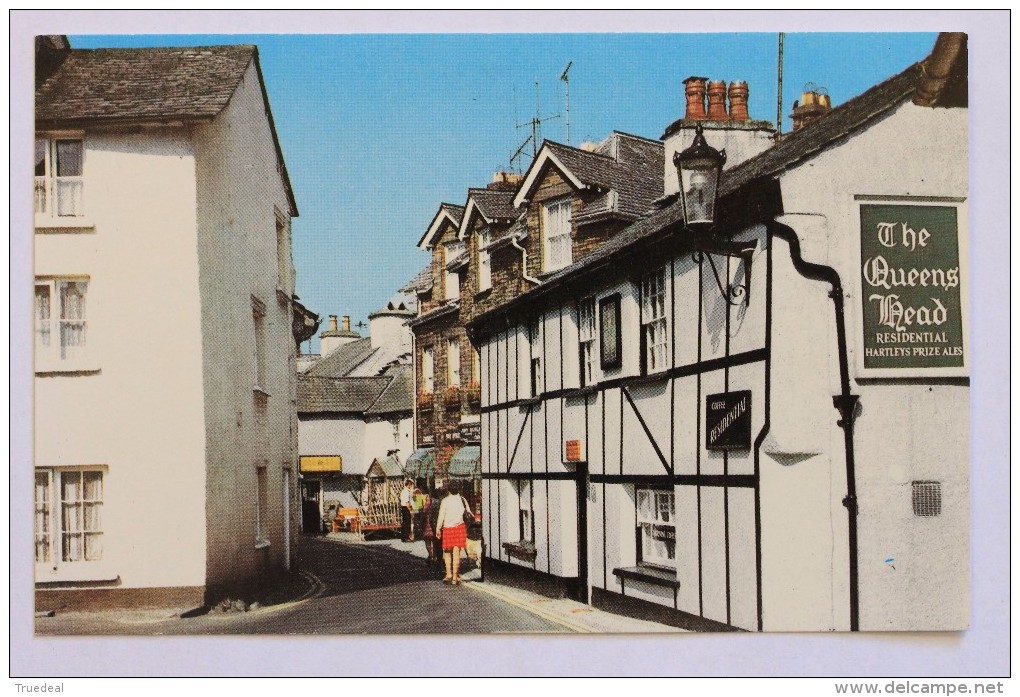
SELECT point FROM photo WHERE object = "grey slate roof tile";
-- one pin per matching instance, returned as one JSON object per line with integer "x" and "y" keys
{"x": 399, "y": 393}
{"x": 132, "y": 84}
{"x": 338, "y": 395}
{"x": 343, "y": 360}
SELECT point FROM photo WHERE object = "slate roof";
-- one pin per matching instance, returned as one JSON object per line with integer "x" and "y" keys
{"x": 494, "y": 203}
{"x": 800, "y": 145}
{"x": 635, "y": 173}
{"x": 343, "y": 360}
{"x": 138, "y": 85}
{"x": 338, "y": 395}
{"x": 398, "y": 396}
{"x": 422, "y": 281}
{"x": 456, "y": 213}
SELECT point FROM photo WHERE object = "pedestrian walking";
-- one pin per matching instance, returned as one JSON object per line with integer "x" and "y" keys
{"x": 405, "y": 511}
{"x": 417, "y": 515}
{"x": 452, "y": 530}
{"x": 431, "y": 516}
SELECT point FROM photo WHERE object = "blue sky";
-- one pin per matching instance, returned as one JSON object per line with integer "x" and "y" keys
{"x": 379, "y": 129}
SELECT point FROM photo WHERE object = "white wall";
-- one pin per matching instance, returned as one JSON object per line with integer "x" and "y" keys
{"x": 914, "y": 430}
{"x": 140, "y": 414}
{"x": 240, "y": 194}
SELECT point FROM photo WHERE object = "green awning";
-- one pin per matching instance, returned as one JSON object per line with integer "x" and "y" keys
{"x": 467, "y": 462}
{"x": 421, "y": 464}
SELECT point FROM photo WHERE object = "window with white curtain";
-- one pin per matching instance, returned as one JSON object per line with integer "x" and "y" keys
{"x": 261, "y": 507}
{"x": 656, "y": 521}
{"x": 654, "y": 323}
{"x": 60, "y": 320}
{"x": 484, "y": 260}
{"x": 453, "y": 363}
{"x": 258, "y": 315}
{"x": 452, "y": 252}
{"x": 535, "y": 347}
{"x": 59, "y": 185}
{"x": 526, "y": 520}
{"x": 68, "y": 516}
{"x": 556, "y": 234}
{"x": 428, "y": 382}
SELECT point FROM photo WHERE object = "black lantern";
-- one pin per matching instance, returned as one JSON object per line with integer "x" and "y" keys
{"x": 698, "y": 168}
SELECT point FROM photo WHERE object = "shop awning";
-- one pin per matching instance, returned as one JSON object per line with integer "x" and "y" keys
{"x": 421, "y": 464}
{"x": 467, "y": 462}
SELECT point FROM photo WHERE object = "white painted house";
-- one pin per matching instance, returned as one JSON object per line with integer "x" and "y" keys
{"x": 166, "y": 322}
{"x": 764, "y": 427}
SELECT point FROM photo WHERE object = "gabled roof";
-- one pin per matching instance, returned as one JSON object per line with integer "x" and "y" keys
{"x": 343, "y": 359}
{"x": 447, "y": 213}
{"x": 628, "y": 165}
{"x": 829, "y": 130}
{"x": 145, "y": 85}
{"x": 495, "y": 206}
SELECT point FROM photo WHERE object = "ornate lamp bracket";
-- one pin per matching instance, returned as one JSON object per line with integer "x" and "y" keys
{"x": 732, "y": 293}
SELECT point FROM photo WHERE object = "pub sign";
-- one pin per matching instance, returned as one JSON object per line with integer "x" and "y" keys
{"x": 471, "y": 431}
{"x": 728, "y": 421}
{"x": 911, "y": 285}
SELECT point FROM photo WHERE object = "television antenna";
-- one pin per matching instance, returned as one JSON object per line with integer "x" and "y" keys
{"x": 535, "y": 123}
{"x": 566, "y": 79}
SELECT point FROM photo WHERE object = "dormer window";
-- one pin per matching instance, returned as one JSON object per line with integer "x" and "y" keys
{"x": 58, "y": 177}
{"x": 556, "y": 234}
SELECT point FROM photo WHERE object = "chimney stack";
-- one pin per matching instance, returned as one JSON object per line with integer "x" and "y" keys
{"x": 333, "y": 338}
{"x": 738, "y": 101}
{"x": 717, "y": 101}
{"x": 694, "y": 90}
{"x": 814, "y": 104}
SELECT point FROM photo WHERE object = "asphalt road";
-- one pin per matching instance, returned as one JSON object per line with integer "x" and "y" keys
{"x": 348, "y": 589}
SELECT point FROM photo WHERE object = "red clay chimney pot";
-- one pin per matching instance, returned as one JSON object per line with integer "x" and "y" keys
{"x": 694, "y": 90}
{"x": 717, "y": 101}
{"x": 738, "y": 101}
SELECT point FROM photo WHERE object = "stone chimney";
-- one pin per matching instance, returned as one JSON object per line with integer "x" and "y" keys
{"x": 814, "y": 104}
{"x": 504, "y": 181}
{"x": 733, "y": 131}
{"x": 333, "y": 338}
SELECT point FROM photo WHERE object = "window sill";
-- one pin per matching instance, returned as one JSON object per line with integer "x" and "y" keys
{"x": 66, "y": 368}
{"x": 581, "y": 391}
{"x": 649, "y": 574}
{"x": 260, "y": 391}
{"x": 91, "y": 572}
{"x": 529, "y": 401}
{"x": 650, "y": 378}
{"x": 49, "y": 224}
{"x": 262, "y": 544}
{"x": 484, "y": 293}
{"x": 521, "y": 550}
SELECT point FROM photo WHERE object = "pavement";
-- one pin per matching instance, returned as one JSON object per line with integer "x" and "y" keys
{"x": 303, "y": 602}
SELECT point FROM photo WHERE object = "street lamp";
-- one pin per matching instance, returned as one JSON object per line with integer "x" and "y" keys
{"x": 698, "y": 168}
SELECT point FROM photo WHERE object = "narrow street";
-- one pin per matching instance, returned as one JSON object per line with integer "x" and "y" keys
{"x": 344, "y": 588}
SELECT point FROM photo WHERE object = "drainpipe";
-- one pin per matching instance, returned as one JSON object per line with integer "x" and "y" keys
{"x": 524, "y": 260}
{"x": 845, "y": 402}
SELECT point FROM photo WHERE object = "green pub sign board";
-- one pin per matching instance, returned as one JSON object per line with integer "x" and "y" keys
{"x": 911, "y": 287}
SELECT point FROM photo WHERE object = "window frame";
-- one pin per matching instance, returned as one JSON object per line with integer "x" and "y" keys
{"x": 550, "y": 264}
{"x": 50, "y": 180}
{"x": 258, "y": 315}
{"x": 525, "y": 511}
{"x": 644, "y": 525}
{"x": 655, "y": 321}
{"x": 536, "y": 341}
{"x": 484, "y": 258}
{"x": 453, "y": 378}
{"x": 284, "y": 254}
{"x": 586, "y": 340}
{"x": 610, "y": 351}
{"x": 52, "y": 356}
{"x": 451, "y": 283}
{"x": 428, "y": 377}
{"x": 55, "y": 567}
